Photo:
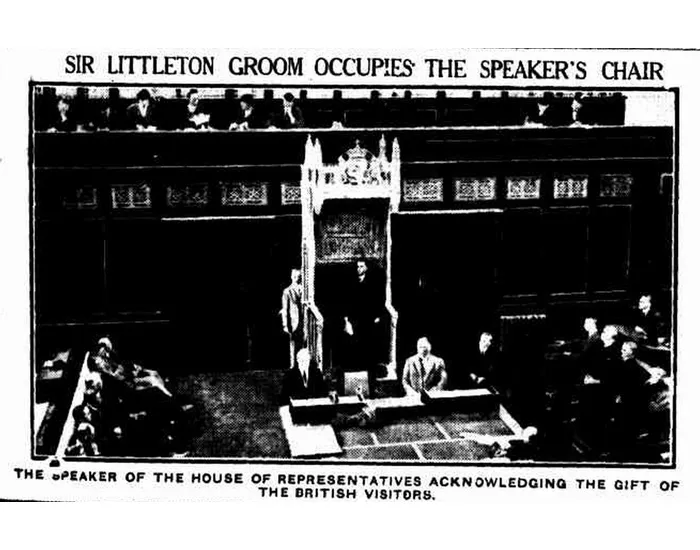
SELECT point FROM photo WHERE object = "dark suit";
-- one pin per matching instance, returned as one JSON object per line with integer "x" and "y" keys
{"x": 67, "y": 125}
{"x": 484, "y": 364}
{"x": 424, "y": 373}
{"x": 293, "y": 386}
{"x": 253, "y": 118}
{"x": 136, "y": 118}
{"x": 480, "y": 365}
{"x": 364, "y": 304}
{"x": 590, "y": 353}
{"x": 628, "y": 386}
{"x": 284, "y": 121}
{"x": 365, "y": 301}
{"x": 597, "y": 400}
{"x": 603, "y": 361}
{"x": 651, "y": 324}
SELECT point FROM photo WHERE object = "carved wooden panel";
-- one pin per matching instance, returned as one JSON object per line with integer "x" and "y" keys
{"x": 131, "y": 196}
{"x": 423, "y": 190}
{"x": 291, "y": 194}
{"x": 345, "y": 236}
{"x": 83, "y": 197}
{"x": 252, "y": 193}
{"x": 475, "y": 189}
{"x": 570, "y": 187}
{"x": 523, "y": 187}
{"x": 188, "y": 195}
{"x": 615, "y": 185}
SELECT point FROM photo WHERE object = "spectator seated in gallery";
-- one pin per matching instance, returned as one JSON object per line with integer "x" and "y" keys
{"x": 290, "y": 116}
{"x": 141, "y": 114}
{"x": 250, "y": 117}
{"x": 169, "y": 112}
{"x": 64, "y": 119}
{"x": 195, "y": 117}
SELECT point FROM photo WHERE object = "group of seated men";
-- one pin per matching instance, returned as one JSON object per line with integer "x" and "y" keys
{"x": 623, "y": 397}
{"x": 148, "y": 113}
{"x": 126, "y": 410}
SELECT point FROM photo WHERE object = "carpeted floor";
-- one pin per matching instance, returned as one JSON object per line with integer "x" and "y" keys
{"x": 236, "y": 414}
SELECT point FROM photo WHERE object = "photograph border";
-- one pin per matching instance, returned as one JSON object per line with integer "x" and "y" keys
{"x": 675, "y": 90}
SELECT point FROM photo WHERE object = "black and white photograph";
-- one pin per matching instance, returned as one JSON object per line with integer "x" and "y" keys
{"x": 382, "y": 275}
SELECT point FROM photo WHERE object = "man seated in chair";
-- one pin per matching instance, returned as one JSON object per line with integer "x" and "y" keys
{"x": 423, "y": 371}
{"x": 648, "y": 323}
{"x": 304, "y": 381}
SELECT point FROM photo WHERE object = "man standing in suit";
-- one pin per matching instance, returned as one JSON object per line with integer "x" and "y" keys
{"x": 292, "y": 321}
{"x": 481, "y": 368}
{"x": 423, "y": 371}
{"x": 365, "y": 298}
{"x": 304, "y": 381}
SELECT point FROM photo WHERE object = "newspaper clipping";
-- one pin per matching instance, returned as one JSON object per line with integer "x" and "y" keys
{"x": 324, "y": 275}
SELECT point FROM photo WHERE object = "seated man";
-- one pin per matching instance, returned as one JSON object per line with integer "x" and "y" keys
{"x": 646, "y": 373}
{"x": 603, "y": 358}
{"x": 82, "y": 442}
{"x": 423, "y": 371}
{"x": 195, "y": 118}
{"x": 291, "y": 115}
{"x": 140, "y": 115}
{"x": 596, "y": 399}
{"x": 250, "y": 118}
{"x": 590, "y": 346}
{"x": 656, "y": 435}
{"x": 304, "y": 381}
{"x": 134, "y": 376}
{"x": 634, "y": 379}
{"x": 647, "y": 322}
{"x": 64, "y": 121}
{"x": 590, "y": 325}
{"x": 634, "y": 385}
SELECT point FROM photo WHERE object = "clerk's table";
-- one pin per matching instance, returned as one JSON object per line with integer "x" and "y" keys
{"x": 459, "y": 425}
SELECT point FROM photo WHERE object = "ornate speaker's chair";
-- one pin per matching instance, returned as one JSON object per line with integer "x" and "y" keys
{"x": 346, "y": 215}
